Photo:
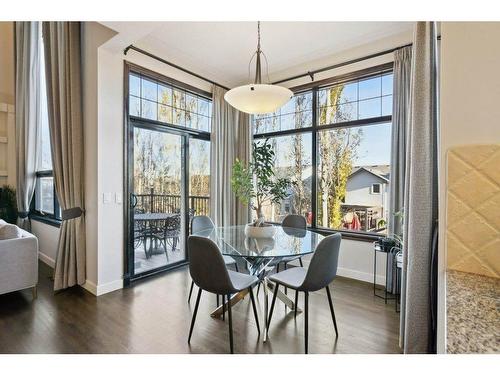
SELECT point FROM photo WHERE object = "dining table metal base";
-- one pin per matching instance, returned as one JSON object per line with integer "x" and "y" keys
{"x": 269, "y": 288}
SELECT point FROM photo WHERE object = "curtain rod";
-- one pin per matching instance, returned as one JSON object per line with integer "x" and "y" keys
{"x": 146, "y": 53}
{"x": 307, "y": 74}
{"x": 339, "y": 65}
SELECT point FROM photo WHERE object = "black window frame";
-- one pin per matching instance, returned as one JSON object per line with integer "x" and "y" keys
{"x": 131, "y": 121}
{"x": 53, "y": 219}
{"x": 316, "y": 128}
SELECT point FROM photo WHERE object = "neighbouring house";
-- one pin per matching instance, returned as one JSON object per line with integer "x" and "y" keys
{"x": 367, "y": 195}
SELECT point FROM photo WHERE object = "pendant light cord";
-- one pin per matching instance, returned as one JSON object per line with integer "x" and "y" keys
{"x": 258, "y": 74}
{"x": 258, "y": 36}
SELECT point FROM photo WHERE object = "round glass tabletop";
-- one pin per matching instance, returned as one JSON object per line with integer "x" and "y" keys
{"x": 286, "y": 242}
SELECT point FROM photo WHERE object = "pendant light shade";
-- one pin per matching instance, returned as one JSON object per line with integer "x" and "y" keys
{"x": 258, "y": 98}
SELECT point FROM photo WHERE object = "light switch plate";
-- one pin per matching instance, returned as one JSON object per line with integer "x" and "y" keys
{"x": 107, "y": 198}
{"x": 118, "y": 198}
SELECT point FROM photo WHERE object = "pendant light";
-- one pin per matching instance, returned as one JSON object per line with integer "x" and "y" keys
{"x": 258, "y": 97}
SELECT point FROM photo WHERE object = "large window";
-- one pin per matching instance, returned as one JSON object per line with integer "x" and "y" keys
{"x": 153, "y": 100}
{"x": 293, "y": 160}
{"x": 334, "y": 142}
{"x": 44, "y": 203}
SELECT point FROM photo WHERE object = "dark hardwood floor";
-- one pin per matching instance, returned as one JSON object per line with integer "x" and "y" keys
{"x": 153, "y": 316}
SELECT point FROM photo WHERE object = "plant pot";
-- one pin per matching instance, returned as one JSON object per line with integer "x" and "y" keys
{"x": 265, "y": 231}
{"x": 259, "y": 245}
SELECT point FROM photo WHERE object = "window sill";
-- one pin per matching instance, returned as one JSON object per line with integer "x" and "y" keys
{"x": 46, "y": 220}
{"x": 348, "y": 235}
{"x": 364, "y": 237}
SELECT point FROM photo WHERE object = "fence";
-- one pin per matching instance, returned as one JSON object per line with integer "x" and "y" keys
{"x": 153, "y": 202}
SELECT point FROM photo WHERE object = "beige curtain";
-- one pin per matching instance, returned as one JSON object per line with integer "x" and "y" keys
{"x": 420, "y": 196}
{"x": 230, "y": 139}
{"x": 64, "y": 96}
{"x": 28, "y": 114}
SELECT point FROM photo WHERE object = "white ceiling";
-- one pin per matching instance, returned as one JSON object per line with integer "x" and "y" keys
{"x": 222, "y": 50}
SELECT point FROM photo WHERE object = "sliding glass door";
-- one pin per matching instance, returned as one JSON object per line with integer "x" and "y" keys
{"x": 158, "y": 212}
{"x": 168, "y": 168}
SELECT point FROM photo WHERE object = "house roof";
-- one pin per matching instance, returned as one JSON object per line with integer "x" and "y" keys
{"x": 380, "y": 171}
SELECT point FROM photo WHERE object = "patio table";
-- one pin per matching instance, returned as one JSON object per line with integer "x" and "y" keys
{"x": 149, "y": 219}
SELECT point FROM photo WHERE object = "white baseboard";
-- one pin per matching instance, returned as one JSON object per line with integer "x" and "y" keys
{"x": 90, "y": 287}
{"x": 358, "y": 275}
{"x": 47, "y": 260}
{"x": 109, "y": 287}
{"x": 99, "y": 290}
{"x": 96, "y": 290}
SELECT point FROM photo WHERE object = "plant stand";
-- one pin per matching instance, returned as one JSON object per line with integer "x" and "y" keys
{"x": 386, "y": 296}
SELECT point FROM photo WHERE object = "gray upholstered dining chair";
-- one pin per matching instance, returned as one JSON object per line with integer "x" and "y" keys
{"x": 209, "y": 272}
{"x": 320, "y": 273}
{"x": 290, "y": 221}
{"x": 199, "y": 223}
{"x": 293, "y": 221}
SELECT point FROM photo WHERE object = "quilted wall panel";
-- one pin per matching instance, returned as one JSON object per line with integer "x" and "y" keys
{"x": 473, "y": 209}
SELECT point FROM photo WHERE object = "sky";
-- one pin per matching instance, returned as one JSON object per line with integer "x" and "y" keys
{"x": 375, "y": 146}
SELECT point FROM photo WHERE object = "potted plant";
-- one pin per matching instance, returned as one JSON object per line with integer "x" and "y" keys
{"x": 8, "y": 204}
{"x": 256, "y": 184}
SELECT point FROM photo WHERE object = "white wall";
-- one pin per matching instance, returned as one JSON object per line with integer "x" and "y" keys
{"x": 356, "y": 261}
{"x": 48, "y": 236}
{"x": 470, "y": 97}
{"x": 360, "y": 51}
{"x": 93, "y": 36}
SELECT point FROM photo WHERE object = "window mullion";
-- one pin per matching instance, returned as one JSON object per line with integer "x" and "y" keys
{"x": 314, "y": 161}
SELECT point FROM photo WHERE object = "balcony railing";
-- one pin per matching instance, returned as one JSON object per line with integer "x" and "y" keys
{"x": 153, "y": 202}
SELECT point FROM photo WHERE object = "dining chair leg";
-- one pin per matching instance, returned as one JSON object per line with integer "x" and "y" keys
{"x": 217, "y": 296}
{"x": 230, "y": 324}
{"x": 296, "y": 303}
{"x": 194, "y": 315}
{"x": 236, "y": 267}
{"x": 191, "y": 291}
{"x": 272, "y": 304}
{"x": 306, "y": 320}
{"x": 258, "y": 288}
{"x": 277, "y": 268}
{"x": 223, "y": 307}
{"x": 286, "y": 289}
{"x": 300, "y": 262}
{"x": 331, "y": 310}
{"x": 254, "y": 309}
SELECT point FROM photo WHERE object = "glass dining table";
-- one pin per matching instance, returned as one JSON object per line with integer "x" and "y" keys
{"x": 261, "y": 256}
